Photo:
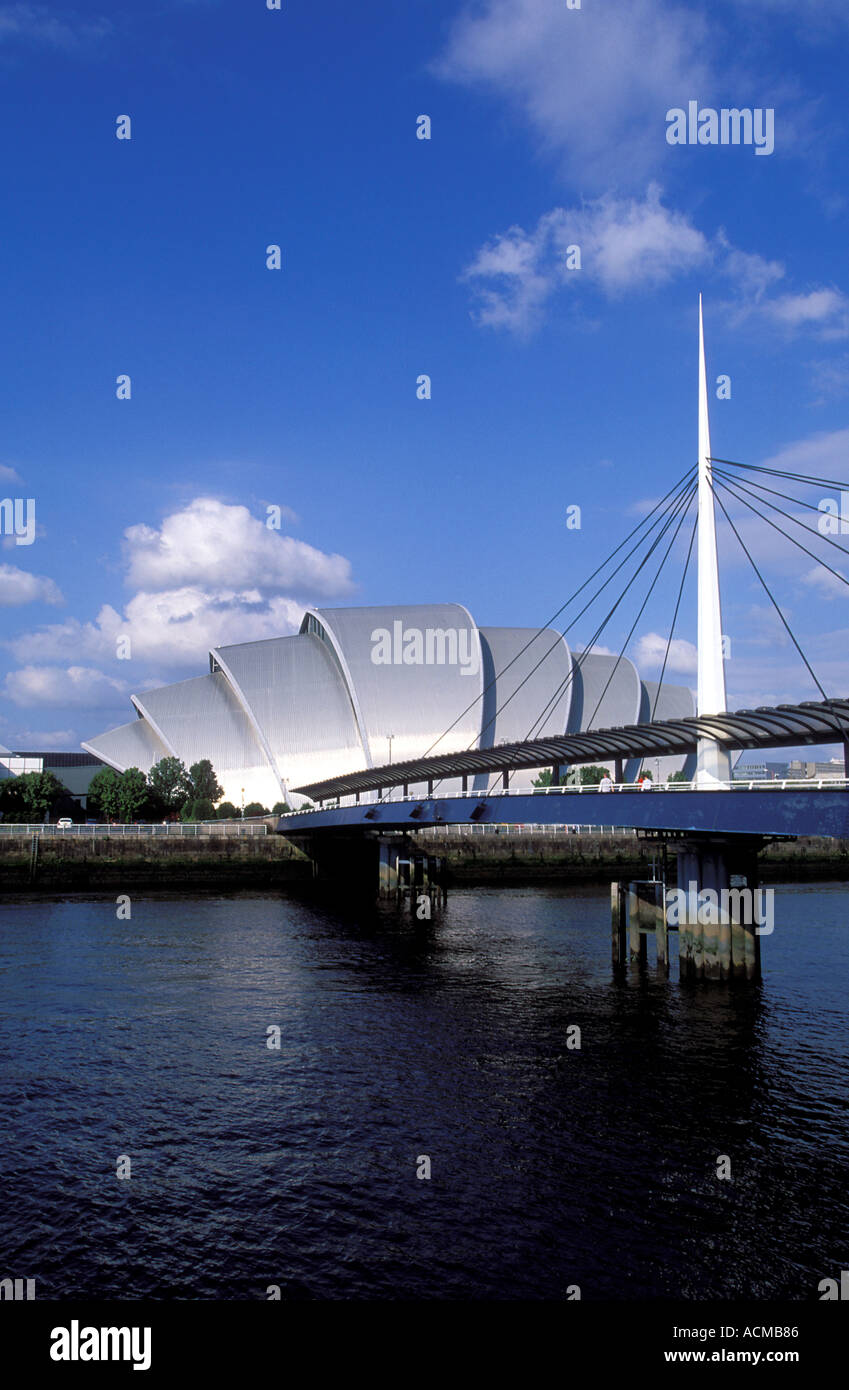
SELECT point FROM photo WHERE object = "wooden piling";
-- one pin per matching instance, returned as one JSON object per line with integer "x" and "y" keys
{"x": 661, "y": 930}
{"x": 637, "y": 946}
{"x": 617, "y": 926}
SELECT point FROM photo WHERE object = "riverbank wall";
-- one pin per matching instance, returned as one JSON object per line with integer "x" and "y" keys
{"x": 602, "y": 858}
{"x": 77, "y": 864}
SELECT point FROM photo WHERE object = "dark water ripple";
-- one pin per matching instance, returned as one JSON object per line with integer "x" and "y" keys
{"x": 550, "y": 1166}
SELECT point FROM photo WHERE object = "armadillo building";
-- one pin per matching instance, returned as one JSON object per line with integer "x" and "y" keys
{"x": 358, "y": 688}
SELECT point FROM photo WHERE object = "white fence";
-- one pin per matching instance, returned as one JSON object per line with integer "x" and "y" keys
{"x": 508, "y": 829}
{"x": 189, "y": 830}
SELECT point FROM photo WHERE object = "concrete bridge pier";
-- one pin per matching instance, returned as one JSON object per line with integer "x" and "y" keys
{"x": 637, "y": 911}
{"x": 405, "y": 869}
{"x": 717, "y": 929}
{"x": 387, "y": 869}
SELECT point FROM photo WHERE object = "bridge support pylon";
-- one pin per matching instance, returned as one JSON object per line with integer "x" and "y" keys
{"x": 407, "y": 871}
{"x": 717, "y": 883}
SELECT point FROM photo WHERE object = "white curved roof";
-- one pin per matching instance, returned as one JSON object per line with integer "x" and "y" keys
{"x": 293, "y": 692}
{"x": 293, "y": 711}
{"x": 202, "y": 718}
{"x": 130, "y": 745}
{"x": 412, "y": 671}
{"x": 605, "y": 695}
{"x": 673, "y": 702}
{"x": 526, "y": 682}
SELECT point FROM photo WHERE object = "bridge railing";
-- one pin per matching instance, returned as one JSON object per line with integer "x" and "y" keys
{"x": 508, "y": 828}
{"x": 764, "y": 784}
{"x": 187, "y": 830}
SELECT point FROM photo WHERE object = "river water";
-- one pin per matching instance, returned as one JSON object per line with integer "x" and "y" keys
{"x": 550, "y": 1166}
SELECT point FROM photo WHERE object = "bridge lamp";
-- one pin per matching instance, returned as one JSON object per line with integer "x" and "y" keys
{"x": 390, "y": 737}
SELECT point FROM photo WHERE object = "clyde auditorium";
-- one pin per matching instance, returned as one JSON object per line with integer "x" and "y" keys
{"x": 357, "y": 688}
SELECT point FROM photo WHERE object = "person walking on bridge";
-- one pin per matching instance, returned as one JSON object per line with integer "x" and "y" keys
{"x": 606, "y": 783}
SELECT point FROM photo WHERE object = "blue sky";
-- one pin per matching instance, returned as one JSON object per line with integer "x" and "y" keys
{"x": 296, "y": 388}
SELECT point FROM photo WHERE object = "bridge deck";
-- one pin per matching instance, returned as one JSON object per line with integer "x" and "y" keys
{"x": 791, "y": 811}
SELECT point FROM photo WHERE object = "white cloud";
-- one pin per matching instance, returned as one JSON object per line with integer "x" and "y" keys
{"x": 821, "y": 311}
{"x": 211, "y": 543}
{"x": 18, "y": 587}
{"x": 631, "y": 245}
{"x": 824, "y": 454}
{"x": 53, "y": 738}
{"x": 39, "y": 24}
{"x": 594, "y": 84}
{"x": 9, "y": 475}
{"x": 625, "y": 244}
{"x": 174, "y": 629}
{"x": 826, "y": 584}
{"x": 651, "y": 649}
{"x": 211, "y": 575}
{"x": 73, "y": 686}
{"x": 826, "y": 310}
{"x": 830, "y": 379}
{"x": 753, "y": 275}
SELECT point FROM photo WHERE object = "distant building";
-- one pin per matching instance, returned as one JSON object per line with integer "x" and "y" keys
{"x": 760, "y": 772}
{"x": 74, "y": 770}
{"x": 834, "y": 770}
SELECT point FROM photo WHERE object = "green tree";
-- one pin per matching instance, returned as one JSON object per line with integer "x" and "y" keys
{"x": 11, "y": 800}
{"x": 170, "y": 781}
{"x": 205, "y": 785}
{"x": 37, "y": 792}
{"x": 545, "y": 779}
{"x": 103, "y": 793}
{"x": 253, "y": 808}
{"x": 153, "y": 807}
{"x": 280, "y": 808}
{"x": 592, "y": 775}
{"x": 132, "y": 794}
{"x": 227, "y": 811}
{"x": 203, "y": 809}
{"x": 677, "y": 777}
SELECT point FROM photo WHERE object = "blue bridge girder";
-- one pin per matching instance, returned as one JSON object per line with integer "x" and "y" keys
{"x": 740, "y": 811}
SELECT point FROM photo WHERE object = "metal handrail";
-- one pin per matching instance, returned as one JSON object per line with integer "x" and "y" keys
{"x": 763, "y": 784}
{"x": 185, "y": 830}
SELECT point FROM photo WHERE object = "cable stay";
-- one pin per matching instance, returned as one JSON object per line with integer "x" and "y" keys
{"x": 778, "y": 610}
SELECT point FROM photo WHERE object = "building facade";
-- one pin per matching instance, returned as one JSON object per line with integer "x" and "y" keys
{"x": 358, "y": 688}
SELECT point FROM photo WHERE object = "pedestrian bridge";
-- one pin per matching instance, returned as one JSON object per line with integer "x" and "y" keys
{"x": 409, "y": 793}
{"x": 755, "y": 808}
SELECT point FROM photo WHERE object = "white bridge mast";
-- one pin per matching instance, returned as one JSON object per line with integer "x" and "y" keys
{"x": 714, "y": 762}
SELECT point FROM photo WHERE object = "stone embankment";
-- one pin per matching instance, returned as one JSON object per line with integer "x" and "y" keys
{"x": 78, "y": 864}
